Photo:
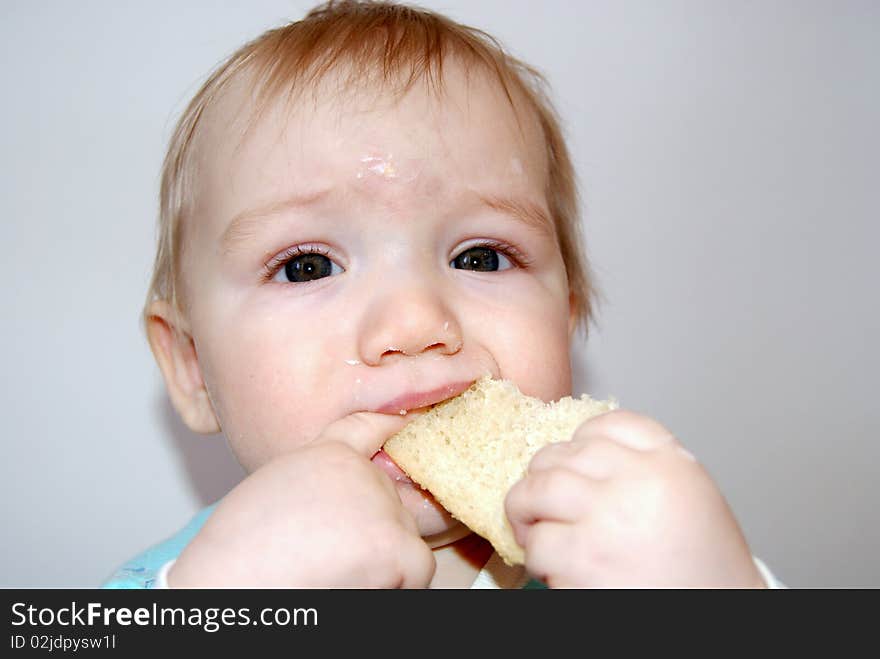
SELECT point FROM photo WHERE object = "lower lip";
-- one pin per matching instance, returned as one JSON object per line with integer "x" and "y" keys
{"x": 389, "y": 467}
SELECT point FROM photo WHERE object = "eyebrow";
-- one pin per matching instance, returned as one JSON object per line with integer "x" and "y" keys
{"x": 246, "y": 224}
{"x": 526, "y": 211}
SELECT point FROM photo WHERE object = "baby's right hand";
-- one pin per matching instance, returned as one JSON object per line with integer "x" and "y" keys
{"x": 320, "y": 516}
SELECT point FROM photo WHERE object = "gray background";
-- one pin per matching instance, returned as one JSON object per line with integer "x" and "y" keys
{"x": 729, "y": 158}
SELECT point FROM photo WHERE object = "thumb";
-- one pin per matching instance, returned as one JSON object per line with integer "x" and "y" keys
{"x": 366, "y": 432}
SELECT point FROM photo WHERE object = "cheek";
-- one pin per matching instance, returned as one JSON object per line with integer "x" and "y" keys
{"x": 535, "y": 355}
{"x": 528, "y": 339}
{"x": 269, "y": 381}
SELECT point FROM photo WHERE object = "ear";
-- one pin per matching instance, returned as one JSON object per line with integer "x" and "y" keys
{"x": 175, "y": 352}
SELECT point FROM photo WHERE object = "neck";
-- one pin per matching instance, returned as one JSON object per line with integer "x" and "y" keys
{"x": 459, "y": 562}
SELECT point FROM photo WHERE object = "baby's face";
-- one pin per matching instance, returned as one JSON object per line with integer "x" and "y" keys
{"x": 354, "y": 254}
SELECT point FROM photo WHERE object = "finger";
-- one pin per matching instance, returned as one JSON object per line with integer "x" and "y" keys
{"x": 594, "y": 456}
{"x": 404, "y": 517}
{"x": 560, "y": 495}
{"x": 630, "y": 429}
{"x": 366, "y": 432}
{"x": 548, "y": 551}
{"x": 417, "y": 562}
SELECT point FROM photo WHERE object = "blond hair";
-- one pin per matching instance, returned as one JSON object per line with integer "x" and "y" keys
{"x": 375, "y": 40}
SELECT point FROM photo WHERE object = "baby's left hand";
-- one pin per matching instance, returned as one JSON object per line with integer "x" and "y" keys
{"x": 623, "y": 504}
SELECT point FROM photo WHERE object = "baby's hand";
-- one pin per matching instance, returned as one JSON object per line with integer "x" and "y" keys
{"x": 623, "y": 504}
{"x": 320, "y": 516}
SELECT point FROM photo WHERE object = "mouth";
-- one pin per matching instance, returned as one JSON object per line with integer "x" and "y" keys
{"x": 417, "y": 400}
{"x": 405, "y": 403}
{"x": 389, "y": 467}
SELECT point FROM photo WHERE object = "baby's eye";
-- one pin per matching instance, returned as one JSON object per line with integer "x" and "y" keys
{"x": 307, "y": 267}
{"x": 482, "y": 259}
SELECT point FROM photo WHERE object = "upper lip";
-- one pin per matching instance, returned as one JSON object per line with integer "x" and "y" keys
{"x": 414, "y": 400}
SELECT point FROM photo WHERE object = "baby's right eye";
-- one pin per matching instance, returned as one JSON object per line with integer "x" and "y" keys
{"x": 299, "y": 266}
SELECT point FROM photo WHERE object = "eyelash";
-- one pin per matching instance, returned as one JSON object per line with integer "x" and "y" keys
{"x": 273, "y": 265}
{"x": 517, "y": 258}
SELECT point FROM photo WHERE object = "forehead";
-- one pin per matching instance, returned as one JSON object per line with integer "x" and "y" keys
{"x": 463, "y": 133}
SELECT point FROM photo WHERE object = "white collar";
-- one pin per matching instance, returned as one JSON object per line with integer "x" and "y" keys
{"x": 496, "y": 574}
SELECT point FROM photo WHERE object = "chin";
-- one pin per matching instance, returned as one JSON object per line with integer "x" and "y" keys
{"x": 436, "y": 525}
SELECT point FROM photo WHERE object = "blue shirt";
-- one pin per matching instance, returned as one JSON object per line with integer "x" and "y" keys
{"x": 140, "y": 572}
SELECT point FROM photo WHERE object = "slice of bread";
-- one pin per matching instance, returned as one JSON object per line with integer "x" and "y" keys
{"x": 469, "y": 451}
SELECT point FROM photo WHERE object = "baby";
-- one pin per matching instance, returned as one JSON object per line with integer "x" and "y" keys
{"x": 361, "y": 214}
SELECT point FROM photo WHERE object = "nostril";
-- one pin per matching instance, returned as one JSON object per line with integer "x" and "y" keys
{"x": 439, "y": 346}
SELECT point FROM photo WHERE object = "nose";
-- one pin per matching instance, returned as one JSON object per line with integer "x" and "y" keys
{"x": 405, "y": 322}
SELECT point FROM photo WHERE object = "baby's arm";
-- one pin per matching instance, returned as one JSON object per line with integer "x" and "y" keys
{"x": 320, "y": 516}
{"x": 624, "y": 504}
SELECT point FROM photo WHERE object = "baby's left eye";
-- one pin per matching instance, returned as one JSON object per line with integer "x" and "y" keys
{"x": 481, "y": 259}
